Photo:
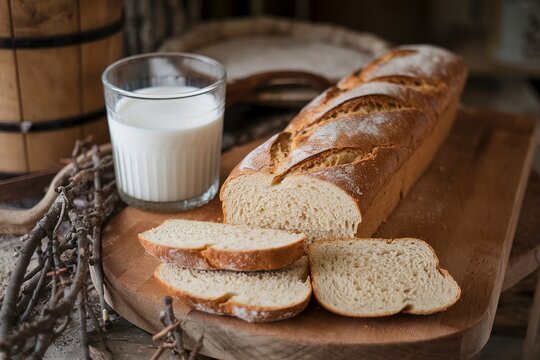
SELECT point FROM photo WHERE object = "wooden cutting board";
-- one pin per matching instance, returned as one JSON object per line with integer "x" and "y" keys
{"x": 466, "y": 206}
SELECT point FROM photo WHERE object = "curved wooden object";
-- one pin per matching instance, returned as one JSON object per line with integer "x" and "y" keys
{"x": 298, "y": 85}
{"x": 19, "y": 221}
{"x": 210, "y": 33}
{"x": 241, "y": 89}
{"x": 466, "y": 206}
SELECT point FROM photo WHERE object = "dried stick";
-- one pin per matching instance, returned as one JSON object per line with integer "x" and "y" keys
{"x": 42, "y": 344}
{"x": 96, "y": 258}
{"x": 38, "y": 303}
{"x": 32, "y": 240}
{"x": 158, "y": 352}
{"x": 176, "y": 331}
{"x": 36, "y": 292}
{"x": 40, "y": 299}
{"x": 171, "y": 336}
{"x": 96, "y": 325}
{"x": 165, "y": 331}
{"x": 198, "y": 346}
{"x": 82, "y": 325}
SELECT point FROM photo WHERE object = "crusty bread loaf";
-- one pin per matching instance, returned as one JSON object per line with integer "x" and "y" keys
{"x": 207, "y": 245}
{"x": 342, "y": 165}
{"x": 377, "y": 277}
{"x": 251, "y": 296}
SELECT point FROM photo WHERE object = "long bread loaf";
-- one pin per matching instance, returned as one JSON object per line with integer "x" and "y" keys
{"x": 344, "y": 162}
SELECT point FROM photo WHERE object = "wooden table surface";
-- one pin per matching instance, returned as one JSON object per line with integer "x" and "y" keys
{"x": 466, "y": 206}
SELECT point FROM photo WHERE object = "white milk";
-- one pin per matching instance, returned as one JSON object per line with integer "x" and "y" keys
{"x": 166, "y": 150}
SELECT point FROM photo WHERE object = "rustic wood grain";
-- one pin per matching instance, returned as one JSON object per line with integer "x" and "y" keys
{"x": 531, "y": 348}
{"x": 49, "y": 82}
{"x": 46, "y": 148}
{"x": 12, "y": 148}
{"x": 520, "y": 305}
{"x": 26, "y": 186}
{"x": 99, "y": 13}
{"x": 56, "y": 82}
{"x": 13, "y": 153}
{"x": 9, "y": 101}
{"x": 95, "y": 57}
{"x": 466, "y": 206}
{"x": 5, "y": 24}
{"x": 525, "y": 255}
{"x": 44, "y": 18}
{"x": 48, "y": 78}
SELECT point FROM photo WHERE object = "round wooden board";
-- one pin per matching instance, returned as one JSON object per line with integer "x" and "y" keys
{"x": 466, "y": 206}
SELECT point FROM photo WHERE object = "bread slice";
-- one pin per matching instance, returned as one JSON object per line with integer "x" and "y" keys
{"x": 206, "y": 245}
{"x": 377, "y": 277}
{"x": 251, "y": 296}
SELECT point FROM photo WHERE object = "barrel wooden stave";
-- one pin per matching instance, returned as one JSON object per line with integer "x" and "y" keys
{"x": 45, "y": 84}
{"x": 50, "y": 89}
{"x": 9, "y": 94}
{"x": 99, "y": 13}
{"x": 96, "y": 55}
{"x": 13, "y": 153}
{"x": 37, "y": 18}
{"x": 46, "y": 148}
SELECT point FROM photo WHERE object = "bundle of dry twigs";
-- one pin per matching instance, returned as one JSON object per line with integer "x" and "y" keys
{"x": 49, "y": 284}
{"x": 50, "y": 278}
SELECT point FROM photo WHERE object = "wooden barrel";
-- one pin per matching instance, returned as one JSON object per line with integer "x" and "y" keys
{"x": 52, "y": 54}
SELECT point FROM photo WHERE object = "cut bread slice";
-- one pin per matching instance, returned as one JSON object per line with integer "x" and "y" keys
{"x": 252, "y": 296}
{"x": 207, "y": 246}
{"x": 377, "y": 277}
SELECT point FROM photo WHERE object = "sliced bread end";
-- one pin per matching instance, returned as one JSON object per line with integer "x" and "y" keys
{"x": 378, "y": 277}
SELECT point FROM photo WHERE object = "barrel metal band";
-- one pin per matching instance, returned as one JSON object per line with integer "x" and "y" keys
{"x": 49, "y": 125}
{"x": 62, "y": 39}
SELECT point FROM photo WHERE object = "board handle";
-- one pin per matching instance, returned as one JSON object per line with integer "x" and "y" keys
{"x": 242, "y": 88}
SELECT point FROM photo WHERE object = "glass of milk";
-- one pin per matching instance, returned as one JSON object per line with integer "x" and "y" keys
{"x": 165, "y": 114}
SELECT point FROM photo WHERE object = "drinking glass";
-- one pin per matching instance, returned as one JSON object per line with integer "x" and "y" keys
{"x": 165, "y": 116}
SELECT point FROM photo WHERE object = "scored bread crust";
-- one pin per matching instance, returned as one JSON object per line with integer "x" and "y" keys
{"x": 210, "y": 258}
{"x": 419, "y": 87}
{"x": 227, "y": 306}
{"x": 314, "y": 273}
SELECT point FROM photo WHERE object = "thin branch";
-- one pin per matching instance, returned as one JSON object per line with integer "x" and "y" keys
{"x": 171, "y": 335}
{"x": 42, "y": 344}
{"x": 158, "y": 352}
{"x": 82, "y": 326}
{"x": 96, "y": 324}
{"x": 35, "y": 293}
{"x": 32, "y": 241}
{"x": 165, "y": 331}
{"x": 96, "y": 246}
{"x": 197, "y": 348}
{"x": 177, "y": 331}
{"x": 42, "y": 308}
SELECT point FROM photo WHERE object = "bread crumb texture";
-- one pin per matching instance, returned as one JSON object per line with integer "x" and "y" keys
{"x": 377, "y": 277}
{"x": 252, "y": 296}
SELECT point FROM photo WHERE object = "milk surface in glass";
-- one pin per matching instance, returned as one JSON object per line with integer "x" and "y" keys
{"x": 166, "y": 150}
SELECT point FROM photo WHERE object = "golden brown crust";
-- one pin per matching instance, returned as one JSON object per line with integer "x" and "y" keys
{"x": 383, "y": 114}
{"x": 226, "y": 305}
{"x": 210, "y": 258}
{"x": 314, "y": 273}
